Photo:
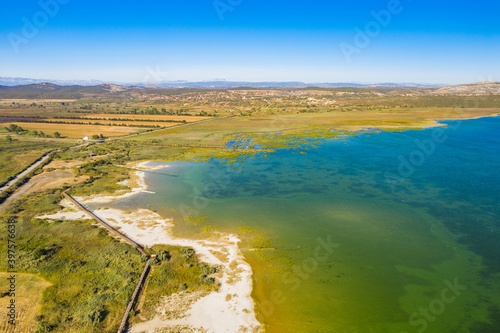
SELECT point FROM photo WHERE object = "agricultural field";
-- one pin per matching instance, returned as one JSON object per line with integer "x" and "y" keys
{"x": 78, "y": 131}
{"x": 16, "y": 155}
{"x": 75, "y": 119}
{"x": 153, "y": 118}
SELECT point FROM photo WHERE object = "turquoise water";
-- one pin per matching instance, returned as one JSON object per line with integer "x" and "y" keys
{"x": 378, "y": 232}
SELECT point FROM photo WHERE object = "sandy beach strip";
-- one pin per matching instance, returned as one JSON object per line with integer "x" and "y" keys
{"x": 136, "y": 184}
{"x": 231, "y": 309}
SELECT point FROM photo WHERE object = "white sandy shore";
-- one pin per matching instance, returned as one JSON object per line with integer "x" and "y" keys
{"x": 146, "y": 166}
{"x": 229, "y": 310}
{"x": 136, "y": 184}
{"x": 69, "y": 212}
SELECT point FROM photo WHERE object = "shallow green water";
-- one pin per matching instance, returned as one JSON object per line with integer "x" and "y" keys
{"x": 381, "y": 232}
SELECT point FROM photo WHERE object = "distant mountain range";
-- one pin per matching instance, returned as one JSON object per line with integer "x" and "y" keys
{"x": 77, "y": 91}
{"x": 16, "y": 81}
{"x": 215, "y": 84}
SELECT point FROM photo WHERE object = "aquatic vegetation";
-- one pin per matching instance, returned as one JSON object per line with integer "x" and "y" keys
{"x": 306, "y": 139}
{"x": 395, "y": 248}
{"x": 197, "y": 220}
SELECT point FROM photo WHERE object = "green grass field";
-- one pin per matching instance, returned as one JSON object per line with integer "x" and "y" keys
{"x": 17, "y": 155}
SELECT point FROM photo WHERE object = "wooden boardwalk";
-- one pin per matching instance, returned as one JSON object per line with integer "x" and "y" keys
{"x": 134, "y": 297}
{"x": 127, "y": 239}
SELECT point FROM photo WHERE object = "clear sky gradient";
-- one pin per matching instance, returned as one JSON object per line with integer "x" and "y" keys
{"x": 422, "y": 41}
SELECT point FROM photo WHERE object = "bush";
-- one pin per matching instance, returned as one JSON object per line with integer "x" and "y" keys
{"x": 95, "y": 316}
{"x": 162, "y": 255}
{"x": 208, "y": 280}
{"x": 43, "y": 328}
{"x": 187, "y": 250}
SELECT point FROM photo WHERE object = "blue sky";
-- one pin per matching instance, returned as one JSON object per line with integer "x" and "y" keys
{"x": 253, "y": 40}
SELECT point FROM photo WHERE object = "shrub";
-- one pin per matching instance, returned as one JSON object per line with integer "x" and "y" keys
{"x": 162, "y": 255}
{"x": 187, "y": 250}
{"x": 95, "y": 316}
{"x": 43, "y": 328}
{"x": 208, "y": 280}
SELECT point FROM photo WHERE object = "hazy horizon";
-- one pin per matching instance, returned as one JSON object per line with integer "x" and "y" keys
{"x": 97, "y": 81}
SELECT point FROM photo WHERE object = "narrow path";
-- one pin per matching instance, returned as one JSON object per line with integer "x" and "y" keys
{"x": 128, "y": 240}
{"x": 25, "y": 172}
{"x": 134, "y": 296}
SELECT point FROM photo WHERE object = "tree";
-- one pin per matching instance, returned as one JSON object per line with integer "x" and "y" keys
{"x": 101, "y": 136}
{"x": 57, "y": 135}
{"x": 95, "y": 137}
{"x": 15, "y": 128}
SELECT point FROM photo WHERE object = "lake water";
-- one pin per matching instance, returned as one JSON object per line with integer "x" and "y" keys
{"x": 377, "y": 232}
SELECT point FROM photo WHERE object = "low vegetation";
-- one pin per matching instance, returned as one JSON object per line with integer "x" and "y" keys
{"x": 92, "y": 274}
{"x": 17, "y": 155}
{"x": 177, "y": 269}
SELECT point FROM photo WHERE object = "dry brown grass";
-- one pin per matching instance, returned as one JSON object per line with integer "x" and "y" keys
{"x": 29, "y": 289}
{"x": 77, "y": 131}
{"x": 37, "y": 101}
{"x": 188, "y": 119}
{"x": 116, "y": 122}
